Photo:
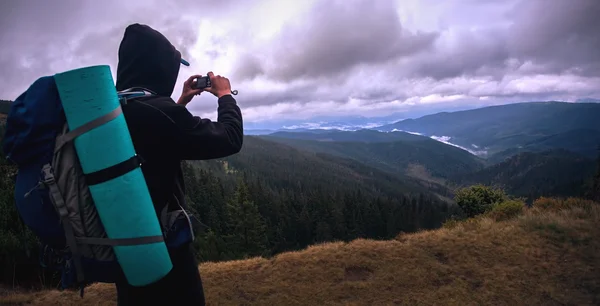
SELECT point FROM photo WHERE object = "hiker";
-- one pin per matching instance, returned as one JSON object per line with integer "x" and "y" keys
{"x": 165, "y": 133}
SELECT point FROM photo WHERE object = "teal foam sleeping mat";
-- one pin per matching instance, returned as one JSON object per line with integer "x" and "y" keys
{"x": 123, "y": 203}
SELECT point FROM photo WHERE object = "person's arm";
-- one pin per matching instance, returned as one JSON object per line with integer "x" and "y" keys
{"x": 196, "y": 138}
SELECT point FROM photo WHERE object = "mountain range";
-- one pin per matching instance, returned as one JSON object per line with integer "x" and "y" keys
{"x": 396, "y": 152}
{"x": 534, "y": 148}
{"x": 493, "y": 133}
{"x": 287, "y": 190}
{"x": 519, "y": 127}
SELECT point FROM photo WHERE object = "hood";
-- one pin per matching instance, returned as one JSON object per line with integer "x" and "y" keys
{"x": 147, "y": 59}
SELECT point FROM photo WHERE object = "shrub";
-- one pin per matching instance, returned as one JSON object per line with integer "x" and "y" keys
{"x": 507, "y": 210}
{"x": 451, "y": 222}
{"x": 478, "y": 199}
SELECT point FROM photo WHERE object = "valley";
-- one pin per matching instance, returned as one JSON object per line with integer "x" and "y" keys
{"x": 393, "y": 152}
{"x": 288, "y": 190}
{"x": 531, "y": 149}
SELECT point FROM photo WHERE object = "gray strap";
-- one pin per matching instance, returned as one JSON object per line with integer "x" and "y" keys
{"x": 120, "y": 241}
{"x": 63, "y": 139}
{"x": 61, "y": 207}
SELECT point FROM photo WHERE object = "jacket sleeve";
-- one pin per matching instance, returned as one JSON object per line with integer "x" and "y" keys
{"x": 194, "y": 138}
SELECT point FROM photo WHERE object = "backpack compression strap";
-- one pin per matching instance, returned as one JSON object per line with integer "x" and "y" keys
{"x": 63, "y": 212}
{"x": 103, "y": 175}
{"x": 69, "y": 136}
{"x": 123, "y": 97}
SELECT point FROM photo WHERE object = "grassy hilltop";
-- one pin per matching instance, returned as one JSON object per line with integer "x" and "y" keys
{"x": 545, "y": 255}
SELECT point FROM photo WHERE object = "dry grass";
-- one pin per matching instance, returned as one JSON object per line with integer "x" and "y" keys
{"x": 549, "y": 255}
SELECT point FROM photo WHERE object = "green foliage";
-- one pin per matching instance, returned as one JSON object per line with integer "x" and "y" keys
{"x": 392, "y": 153}
{"x": 246, "y": 225}
{"x": 478, "y": 199}
{"x": 532, "y": 175}
{"x": 363, "y": 136}
{"x": 507, "y": 209}
{"x": 271, "y": 198}
{"x": 452, "y": 222}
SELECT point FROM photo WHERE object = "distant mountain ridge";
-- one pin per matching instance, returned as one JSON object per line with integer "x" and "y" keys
{"x": 348, "y": 123}
{"x": 534, "y": 149}
{"x": 279, "y": 161}
{"x": 536, "y": 125}
{"x": 533, "y": 174}
{"x": 587, "y": 100}
{"x": 394, "y": 152}
{"x": 363, "y": 135}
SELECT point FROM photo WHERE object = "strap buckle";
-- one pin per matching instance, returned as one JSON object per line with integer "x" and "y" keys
{"x": 48, "y": 174}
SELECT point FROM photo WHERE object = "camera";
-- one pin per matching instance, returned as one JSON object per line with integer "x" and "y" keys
{"x": 202, "y": 82}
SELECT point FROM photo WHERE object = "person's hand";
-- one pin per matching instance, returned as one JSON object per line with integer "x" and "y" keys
{"x": 219, "y": 85}
{"x": 188, "y": 92}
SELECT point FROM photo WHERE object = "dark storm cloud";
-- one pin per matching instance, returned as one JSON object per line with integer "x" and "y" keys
{"x": 377, "y": 95}
{"x": 45, "y": 37}
{"x": 248, "y": 67}
{"x": 300, "y": 94}
{"x": 468, "y": 53}
{"x": 560, "y": 35}
{"x": 554, "y": 36}
{"x": 357, "y": 54}
{"x": 337, "y": 36}
{"x": 524, "y": 37}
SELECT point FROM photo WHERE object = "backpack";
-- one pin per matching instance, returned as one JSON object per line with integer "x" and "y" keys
{"x": 51, "y": 194}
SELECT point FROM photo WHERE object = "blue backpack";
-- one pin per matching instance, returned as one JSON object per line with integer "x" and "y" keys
{"x": 51, "y": 194}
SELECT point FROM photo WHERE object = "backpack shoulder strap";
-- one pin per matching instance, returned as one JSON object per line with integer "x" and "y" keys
{"x": 134, "y": 92}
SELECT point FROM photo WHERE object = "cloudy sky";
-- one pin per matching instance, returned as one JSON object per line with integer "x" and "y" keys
{"x": 304, "y": 58}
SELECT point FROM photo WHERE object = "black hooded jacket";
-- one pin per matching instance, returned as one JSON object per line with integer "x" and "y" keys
{"x": 163, "y": 132}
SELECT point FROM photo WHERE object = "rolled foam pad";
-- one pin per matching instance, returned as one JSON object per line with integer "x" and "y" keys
{"x": 123, "y": 203}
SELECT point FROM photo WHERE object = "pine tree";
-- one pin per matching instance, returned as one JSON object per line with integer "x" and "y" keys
{"x": 247, "y": 230}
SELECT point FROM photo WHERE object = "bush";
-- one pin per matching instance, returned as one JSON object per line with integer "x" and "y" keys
{"x": 478, "y": 199}
{"x": 451, "y": 222}
{"x": 507, "y": 210}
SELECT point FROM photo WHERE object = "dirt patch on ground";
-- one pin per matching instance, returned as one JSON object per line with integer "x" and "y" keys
{"x": 357, "y": 274}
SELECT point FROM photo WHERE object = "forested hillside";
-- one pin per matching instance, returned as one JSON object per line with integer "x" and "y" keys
{"x": 364, "y": 135}
{"x": 287, "y": 191}
{"x": 540, "y": 126}
{"x": 537, "y": 170}
{"x": 399, "y": 153}
{"x": 285, "y": 199}
{"x": 268, "y": 199}
{"x": 581, "y": 141}
{"x": 535, "y": 174}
